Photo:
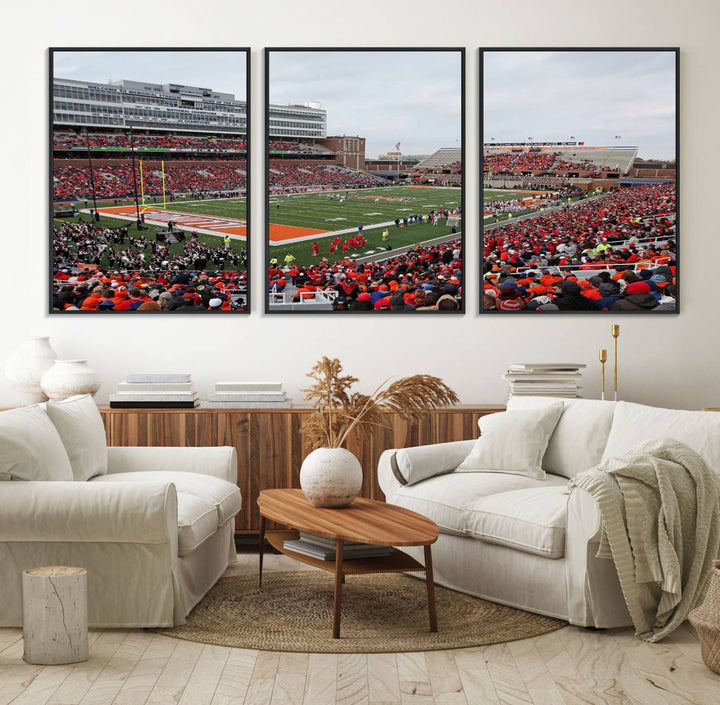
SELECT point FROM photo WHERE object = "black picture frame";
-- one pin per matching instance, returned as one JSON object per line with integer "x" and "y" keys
{"x": 271, "y": 304}
{"x": 628, "y": 75}
{"x": 196, "y": 122}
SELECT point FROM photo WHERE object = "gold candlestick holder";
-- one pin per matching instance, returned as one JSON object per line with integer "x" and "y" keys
{"x": 603, "y": 360}
{"x": 615, "y": 330}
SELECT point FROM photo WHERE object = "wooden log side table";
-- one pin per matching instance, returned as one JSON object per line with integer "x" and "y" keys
{"x": 55, "y": 623}
{"x": 365, "y": 521}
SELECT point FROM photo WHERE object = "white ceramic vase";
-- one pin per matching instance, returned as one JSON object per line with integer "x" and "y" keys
{"x": 66, "y": 378}
{"x": 331, "y": 477}
{"x": 26, "y": 366}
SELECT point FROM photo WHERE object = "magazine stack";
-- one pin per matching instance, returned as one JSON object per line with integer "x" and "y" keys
{"x": 323, "y": 548}
{"x": 156, "y": 391}
{"x": 247, "y": 395}
{"x": 545, "y": 379}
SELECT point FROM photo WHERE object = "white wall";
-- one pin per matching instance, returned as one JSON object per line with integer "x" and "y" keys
{"x": 669, "y": 361}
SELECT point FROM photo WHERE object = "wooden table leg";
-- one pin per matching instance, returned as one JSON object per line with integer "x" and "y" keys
{"x": 261, "y": 548}
{"x": 430, "y": 588}
{"x": 337, "y": 597}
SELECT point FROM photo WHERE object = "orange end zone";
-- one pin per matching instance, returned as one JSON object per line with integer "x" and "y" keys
{"x": 211, "y": 225}
{"x": 280, "y": 233}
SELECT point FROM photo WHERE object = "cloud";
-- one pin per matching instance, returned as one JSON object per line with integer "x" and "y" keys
{"x": 404, "y": 96}
{"x": 592, "y": 95}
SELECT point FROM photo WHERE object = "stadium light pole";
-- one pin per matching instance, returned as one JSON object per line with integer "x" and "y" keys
{"x": 92, "y": 176}
{"x": 135, "y": 189}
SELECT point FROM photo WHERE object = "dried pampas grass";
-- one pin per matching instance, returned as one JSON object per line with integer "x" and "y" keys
{"x": 338, "y": 410}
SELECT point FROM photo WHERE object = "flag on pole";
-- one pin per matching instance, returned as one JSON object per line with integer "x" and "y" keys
{"x": 397, "y": 147}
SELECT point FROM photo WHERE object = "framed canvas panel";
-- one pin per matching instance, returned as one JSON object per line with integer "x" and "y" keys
{"x": 149, "y": 165}
{"x": 364, "y": 185}
{"x": 580, "y": 181}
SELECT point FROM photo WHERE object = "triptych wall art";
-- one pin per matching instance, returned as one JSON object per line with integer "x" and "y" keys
{"x": 364, "y": 181}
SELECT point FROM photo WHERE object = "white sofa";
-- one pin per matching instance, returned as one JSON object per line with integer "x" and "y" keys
{"x": 527, "y": 541}
{"x": 154, "y": 527}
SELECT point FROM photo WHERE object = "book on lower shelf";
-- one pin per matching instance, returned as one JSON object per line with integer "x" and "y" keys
{"x": 351, "y": 550}
{"x": 149, "y": 404}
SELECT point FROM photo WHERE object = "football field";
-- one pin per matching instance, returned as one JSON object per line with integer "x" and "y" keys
{"x": 298, "y": 221}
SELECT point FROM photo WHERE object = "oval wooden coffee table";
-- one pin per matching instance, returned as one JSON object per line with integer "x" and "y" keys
{"x": 366, "y": 521}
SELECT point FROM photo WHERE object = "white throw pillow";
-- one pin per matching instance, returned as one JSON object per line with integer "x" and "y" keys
{"x": 579, "y": 439}
{"x": 81, "y": 429}
{"x": 30, "y": 447}
{"x": 636, "y": 423}
{"x": 513, "y": 442}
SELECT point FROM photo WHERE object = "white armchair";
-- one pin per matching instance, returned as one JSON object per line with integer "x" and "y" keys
{"x": 154, "y": 532}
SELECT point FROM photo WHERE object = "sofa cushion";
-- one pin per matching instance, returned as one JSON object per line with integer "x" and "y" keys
{"x": 30, "y": 447}
{"x": 223, "y": 495}
{"x": 581, "y": 434}
{"x": 197, "y": 521}
{"x": 634, "y": 424}
{"x": 532, "y": 520}
{"x": 446, "y": 499}
{"x": 513, "y": 442}
{"x": 81, "y": 429}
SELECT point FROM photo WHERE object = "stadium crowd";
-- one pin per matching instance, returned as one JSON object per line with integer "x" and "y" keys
{"x": 292, "y": 178}
{"x": 517, "y": 162}
{"x": 627, "y": 236}
{"x": 118, "y": 181}
{"x": 188, "y": 143}
{"x": 533, "y": 160}
{"x": 295, "y": 147}
{"x": 425, "y": 278}
{"x": 103, "y": 269}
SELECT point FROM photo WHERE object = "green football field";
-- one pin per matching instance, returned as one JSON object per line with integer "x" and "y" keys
{"x": 366, "y": 207}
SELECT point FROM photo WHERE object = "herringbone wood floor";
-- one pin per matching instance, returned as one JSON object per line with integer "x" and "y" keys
{"x": 136, "y": 667}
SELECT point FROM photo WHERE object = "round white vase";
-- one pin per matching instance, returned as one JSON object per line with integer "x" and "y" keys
{"x": 331, "y": 477}
{"x": 26, "y": 366}
{"x": 66, "y": 378}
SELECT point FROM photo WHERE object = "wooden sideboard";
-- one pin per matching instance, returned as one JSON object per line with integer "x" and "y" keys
{"x": 270, "y": 443}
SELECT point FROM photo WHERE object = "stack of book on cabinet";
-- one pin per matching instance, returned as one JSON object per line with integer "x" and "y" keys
{"x": 544, "y": 379}
{"x": 156, "y": 391}
{"x": 323, "y": 548}
{"x": 247, "y": 395}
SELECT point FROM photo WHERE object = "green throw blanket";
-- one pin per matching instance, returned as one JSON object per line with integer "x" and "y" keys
{"x": 660, "y": 524}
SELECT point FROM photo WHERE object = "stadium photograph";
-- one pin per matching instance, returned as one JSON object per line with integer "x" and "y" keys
{"x": 579, "y": 169}
{"x": 149, "y": 178}
{"x": 364, "y": 180}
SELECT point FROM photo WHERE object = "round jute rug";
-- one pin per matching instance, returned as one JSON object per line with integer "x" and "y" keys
{"x": 380, "y": 613}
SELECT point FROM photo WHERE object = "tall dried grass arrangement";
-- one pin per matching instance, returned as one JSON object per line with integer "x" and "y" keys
{"x": 338, "y": 410}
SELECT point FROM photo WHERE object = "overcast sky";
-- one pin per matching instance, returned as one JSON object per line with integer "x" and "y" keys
{"x": 592, "y": 96}
{"x": 222, "y": 71}
{"x": 385, "y": 96}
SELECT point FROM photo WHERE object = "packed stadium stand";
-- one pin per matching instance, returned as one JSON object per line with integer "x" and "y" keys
{"x": 613, "y": 251}
{"x": 575, "y": 160}
{"x": 98, "y": 141}
{"x": 286, "y": 176}
{"x": 117, "y": 181}
{"x": 424, "y": 278}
